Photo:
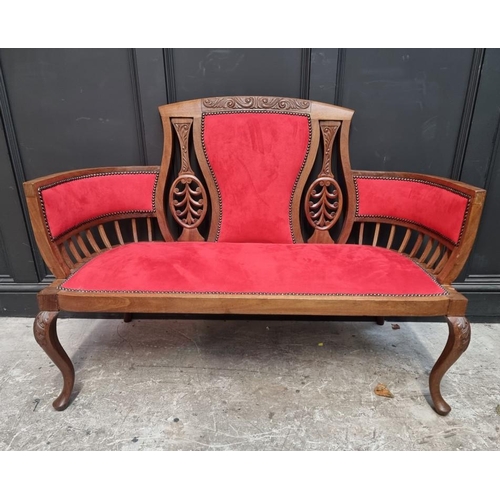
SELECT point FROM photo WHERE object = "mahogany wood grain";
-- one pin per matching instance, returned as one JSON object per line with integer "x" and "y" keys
{"x": 44, "y": 329}
{"x": 323, "y": 201}
{"x": 458, "y": 341}
{"x": 193, "y": 303}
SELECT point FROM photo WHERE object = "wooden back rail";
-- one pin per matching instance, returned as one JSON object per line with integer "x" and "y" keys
{"x": 188, "y": 200}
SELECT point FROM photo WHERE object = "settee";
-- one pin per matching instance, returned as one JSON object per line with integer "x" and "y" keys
{"x": 254, "y": 210}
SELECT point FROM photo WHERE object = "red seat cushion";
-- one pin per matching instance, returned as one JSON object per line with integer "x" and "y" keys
{"x": 253, "y": 268}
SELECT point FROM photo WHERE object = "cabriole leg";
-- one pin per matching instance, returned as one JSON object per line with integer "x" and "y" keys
{"x": 45, "y": 332}
{"x": 458, "y": 341}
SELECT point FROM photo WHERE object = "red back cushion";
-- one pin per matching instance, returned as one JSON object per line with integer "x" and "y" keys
{"x": 438, "y": 208}
{"x": 69, "y": 204}
{"x": 256, "y": 159}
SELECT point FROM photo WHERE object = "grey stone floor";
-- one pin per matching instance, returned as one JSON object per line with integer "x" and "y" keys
{"x": 247, "y": 385}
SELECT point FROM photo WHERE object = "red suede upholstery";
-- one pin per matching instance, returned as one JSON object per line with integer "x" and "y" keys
{"x": 71, "y": 203}
{"x": 428, "y": 205}
{"x": 256, "y": 158}
{"x": 253, "y": 268}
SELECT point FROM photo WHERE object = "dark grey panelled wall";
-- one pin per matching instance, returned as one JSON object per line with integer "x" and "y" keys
{"x": 424, "y": 110}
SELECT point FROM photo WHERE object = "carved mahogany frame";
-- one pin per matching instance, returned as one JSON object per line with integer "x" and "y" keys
{"x": 322, "y": 118}
{"x": 188, "y": 202}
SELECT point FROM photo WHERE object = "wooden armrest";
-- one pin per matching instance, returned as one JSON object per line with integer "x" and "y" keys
{"x": 443, "y": 181}
{"x": 446, "y": 209}
{"x": 64, "y": 204}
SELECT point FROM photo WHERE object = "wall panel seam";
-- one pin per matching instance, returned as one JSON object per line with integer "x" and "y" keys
{"x": 168, "y": 62}
{"x": 18, "y": 170}
{"x": 467, "y": 114}
{"x": 136, "y": 95}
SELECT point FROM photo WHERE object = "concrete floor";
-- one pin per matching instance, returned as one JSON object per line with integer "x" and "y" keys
{"x": 247, "y": 385}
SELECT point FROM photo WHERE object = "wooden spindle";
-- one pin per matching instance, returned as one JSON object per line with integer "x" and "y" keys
{"x": 82, "y": 246}
{"x": 375, "y": 236}
{"x": 405, "y": 241}
{"x": 361, "y": 231}
{"x": 92, "y": 241}
{"x": 427, "y": 250}
{"x": 65, "y": 256}
{"x": 150, "y": 229}
{"x": 134, "y": 230}
{"x": 435, "y": 256}
{"x": 417, "y": 245}
{"x": 119, "y": 232}
{"x": 104, "y": 236}
{"x": 391, "y": 236}
{"x": 442, "y": 262}
{"x": 73, "y": 251}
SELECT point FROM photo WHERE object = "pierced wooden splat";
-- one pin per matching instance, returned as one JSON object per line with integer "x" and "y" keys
{"x": 323, "y": 201}
{"x": 188, "y": 200}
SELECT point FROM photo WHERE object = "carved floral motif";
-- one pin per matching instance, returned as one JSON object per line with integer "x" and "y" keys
{"x": 42, "y": 322}
{"x": 255, "y": 102}
{"x": 323, "y": 203}
{"x": 329, "y": 133}
{"x": 188, "y": 201}
{"x": 462, "y": 328}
